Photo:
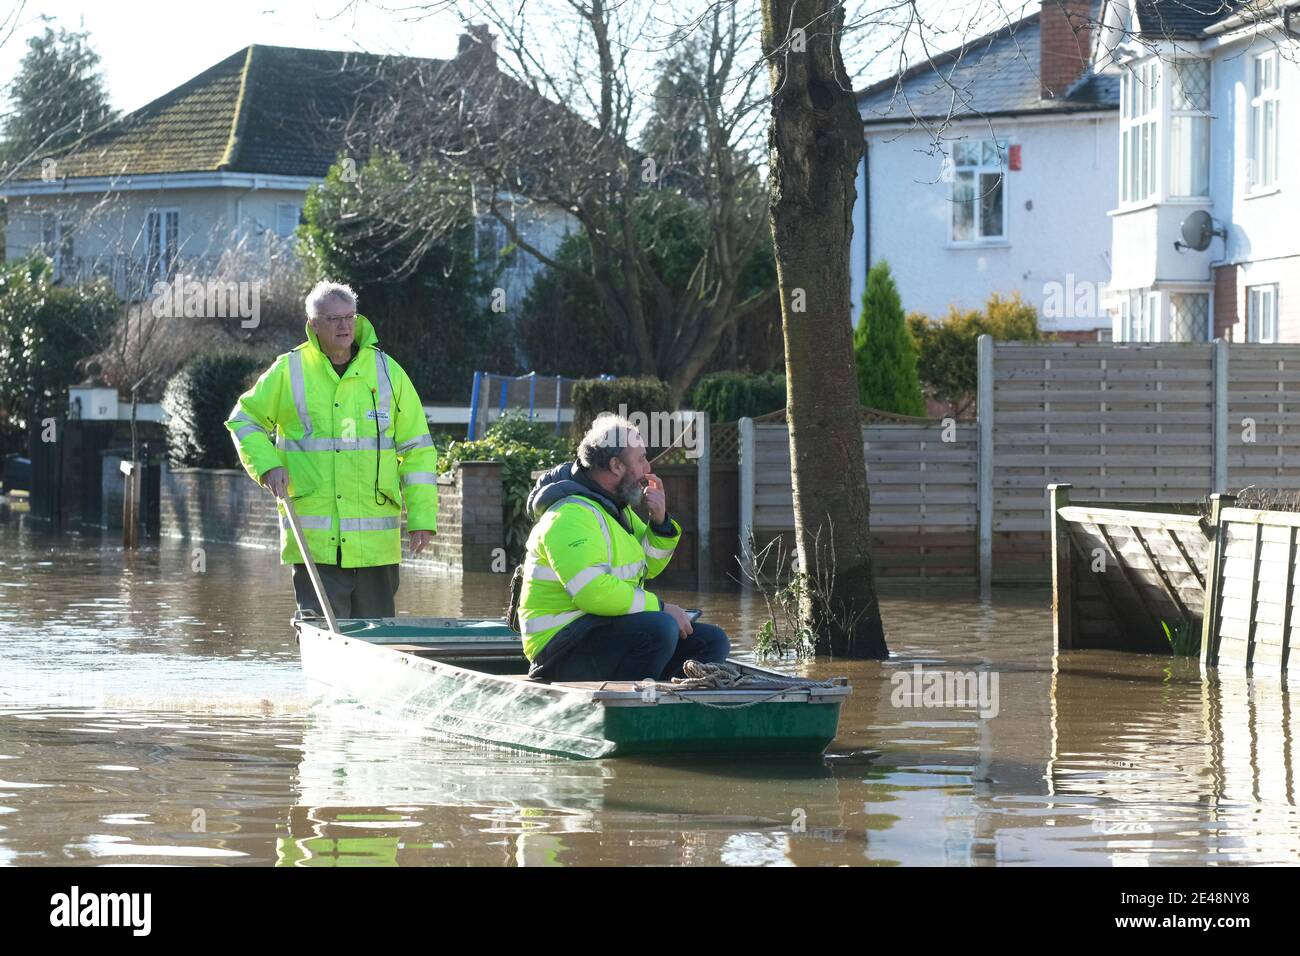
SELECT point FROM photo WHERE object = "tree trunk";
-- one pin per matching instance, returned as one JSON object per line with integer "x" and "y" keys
{"x": 815, "y": 142}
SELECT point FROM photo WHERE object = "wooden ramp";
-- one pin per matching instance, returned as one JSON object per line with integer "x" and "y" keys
{"x": 1123, "y": 571}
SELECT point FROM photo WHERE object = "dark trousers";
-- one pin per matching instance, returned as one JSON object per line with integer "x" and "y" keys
{"x": 352, "y": 592}
{"x": 636, "y": 647}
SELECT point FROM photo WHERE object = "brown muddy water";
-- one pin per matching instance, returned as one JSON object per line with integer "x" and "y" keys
{"x": 151, "y": 712}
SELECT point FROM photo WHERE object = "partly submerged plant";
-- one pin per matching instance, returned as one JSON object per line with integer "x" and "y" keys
{"x": 1184, "y": 640}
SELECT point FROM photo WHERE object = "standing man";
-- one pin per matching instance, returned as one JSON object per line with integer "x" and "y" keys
{"x": 350, "y": 444}
{"x": 583, "y": 610}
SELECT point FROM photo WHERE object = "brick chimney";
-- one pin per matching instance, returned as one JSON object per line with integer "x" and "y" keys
{"x": 1064, "y": 45}
{"x": 477, "y": 47}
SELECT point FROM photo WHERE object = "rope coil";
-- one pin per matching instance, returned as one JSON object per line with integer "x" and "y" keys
{"x": 723, "y": 676}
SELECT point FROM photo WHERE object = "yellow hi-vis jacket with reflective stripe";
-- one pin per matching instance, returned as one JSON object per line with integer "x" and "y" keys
{"x": 354, "y": 447}
{"x": 581, "y": 560}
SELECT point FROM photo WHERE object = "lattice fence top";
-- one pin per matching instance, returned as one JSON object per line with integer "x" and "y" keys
{"x": 868, "y": 416}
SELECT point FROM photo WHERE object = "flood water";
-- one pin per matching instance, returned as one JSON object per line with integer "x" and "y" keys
{"x": 152, "y": 710}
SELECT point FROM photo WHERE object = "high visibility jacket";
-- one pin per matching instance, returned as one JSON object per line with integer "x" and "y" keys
{"x": 355, "y": 447}
{"x": 585, "y": 556}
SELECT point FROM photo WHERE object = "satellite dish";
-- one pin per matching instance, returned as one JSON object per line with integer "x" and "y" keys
{"x": 1198, "y": 229}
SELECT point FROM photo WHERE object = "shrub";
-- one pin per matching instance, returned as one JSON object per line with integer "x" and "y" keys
{"x": 947, "y": 350}
{"x": 198, "y": 400}
{"x": 522, "y": 447}
{"x": 592, "y": 396}
{"x": 884, "y": 350}
{"x": 45, "y": 330}
{"x": 731, "y": 396}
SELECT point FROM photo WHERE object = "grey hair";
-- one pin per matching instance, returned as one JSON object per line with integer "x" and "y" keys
{"x": 322, "y": 292}
{"x": 606, "y": 439}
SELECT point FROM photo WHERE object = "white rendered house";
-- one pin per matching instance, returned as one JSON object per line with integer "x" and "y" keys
{"x": 990, "y": 169}
{"x": 1205, "y": 240}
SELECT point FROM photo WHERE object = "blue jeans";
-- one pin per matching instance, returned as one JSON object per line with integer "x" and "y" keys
{"x": 637, "y": 646}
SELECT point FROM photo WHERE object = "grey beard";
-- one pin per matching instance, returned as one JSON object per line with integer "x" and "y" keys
{"x": 630, "y": 492}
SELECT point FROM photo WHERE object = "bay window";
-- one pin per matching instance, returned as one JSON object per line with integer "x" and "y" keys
{"x": 1189, "y": 128}
{"x": 1189, "y": 317}
{"x": 1139, "y": 125}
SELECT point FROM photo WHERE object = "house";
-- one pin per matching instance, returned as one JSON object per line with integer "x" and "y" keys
{"x": 1204, "y": 219}
{"x": 223, "y": 161}
{"x": 990, "y": 168}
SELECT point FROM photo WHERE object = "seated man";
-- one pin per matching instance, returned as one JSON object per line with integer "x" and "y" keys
{"x": 583, "y": 611}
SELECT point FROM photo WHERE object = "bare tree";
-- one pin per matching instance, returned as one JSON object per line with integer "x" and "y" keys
{"x": 493, "y": 117}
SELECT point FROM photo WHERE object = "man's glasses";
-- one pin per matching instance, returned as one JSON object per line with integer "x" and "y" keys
{"x": 337, "y": 318}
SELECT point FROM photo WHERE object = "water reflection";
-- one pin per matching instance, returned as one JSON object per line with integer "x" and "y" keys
{"x": 154, "y": 713}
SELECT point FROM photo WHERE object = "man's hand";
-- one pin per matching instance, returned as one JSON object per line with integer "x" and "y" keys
{"x": 277, "y": 482}
{"x": 419, "y": 541}
{"x": 684, "y": 627}
{"x": 656, "y": 501}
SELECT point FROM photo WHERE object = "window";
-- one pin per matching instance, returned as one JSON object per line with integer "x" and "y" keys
{"x": 1137, "y": 314}
{"x": 1189, "y": 317}
{"x": 1261, "y": 313}
{"x": 978, "y": 187}
{"x": 1189, "y": 128}
{"x": 56, "y": 242}
{"x": 1138, "y": 123}
{"x": 162, "y": 232}
{"x": 286, "y": 219}
{"x": 1261, "y": 152}
{"x": 491, "y": 237}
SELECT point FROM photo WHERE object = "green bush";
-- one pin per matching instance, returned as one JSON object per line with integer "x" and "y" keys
{"x": 591, "y": 397}
{"x": 731, "y": 396}
{"x": 947, "y": 350}
{"x": 522, "y": 447}
{"x": 45, "y": 330}
{"x": 884, "y": 350}
{"x": 198, "y": 400}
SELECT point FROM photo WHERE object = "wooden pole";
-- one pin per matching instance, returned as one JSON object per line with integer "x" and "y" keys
{"x": 703, "y": 504}
{"x": 747, "y": 477}
{"x": 1058, "y": 497}
{"x": 984, "y": 412}
{"x": 1220, "y": 445}
{"x": 312, "y": 573}
{"x": 1214, "y": 582}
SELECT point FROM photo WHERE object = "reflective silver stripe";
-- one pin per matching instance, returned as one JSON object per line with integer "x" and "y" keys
{"x": 419, "y": 441}
{"x": 330, "y": 444}
{"x": 585, "y": 577}
{"x": 299, "y": 391}
{"x": 309, "y": 522}
{"x": 420, "y": 478}
{"x": 243, "y": 416}
{"x": 638, "y": 601}
{"x": 535, "y": 625}
{"x": 385, "y": 390}
{"x": 629, "y": 572}
{"x": 599, "y": 512}
{"x": 248, "y": 430}
{"x": 653, "y": 552}
{"x": 540, "y": 572}
{"x": 370, "y": 524}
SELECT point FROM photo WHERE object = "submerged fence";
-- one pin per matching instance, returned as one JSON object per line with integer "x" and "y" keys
{"x": 1134, "y": 576}
{"x": 1168, "y": 423}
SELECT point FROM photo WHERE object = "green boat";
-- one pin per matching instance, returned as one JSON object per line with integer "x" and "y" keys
{"x": 468, "y": 679}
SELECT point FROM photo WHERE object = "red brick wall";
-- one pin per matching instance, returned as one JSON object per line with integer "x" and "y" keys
{"x": 1078, "y": 335}
{"x": 220, "y": 504}
{"x": 1226, "y": 312}
{"x": 1065, "y": 40}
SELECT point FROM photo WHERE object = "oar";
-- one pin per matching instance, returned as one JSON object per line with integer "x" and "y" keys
{"x": 311, "y": 565}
